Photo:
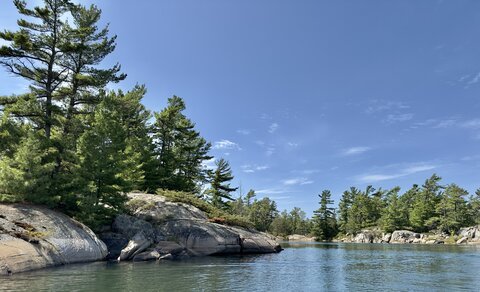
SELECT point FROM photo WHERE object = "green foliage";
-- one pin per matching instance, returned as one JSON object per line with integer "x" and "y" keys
{"x": 324, "y": 221}
{"x": 262, "y": 213}
{"x": 180, "y": 151}
{"x": 424, "y": 205}
{"x": 393, "y": 217}
{"x": 220, "y": 188}
{"x": 452, "y": 209}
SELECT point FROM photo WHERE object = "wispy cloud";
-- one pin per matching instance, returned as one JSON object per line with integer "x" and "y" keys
{"x": 249, "y": 168}
{"x": 270, "y": 151}
{"x": 209, "y": 164}
{"x": 273, "y": 128}
{"x": 376, "y": 106}
{"x": 355, "y": 150}
{"x": 272, "y": 191}
{"x": 292, "y": 144}
{"x": 445, "y": 123}
{"x": 297, "y": 181}
{"x": 226, "y": 144}
{"x": 471, "y": 158}
{"x": 407, "y": 170}
{"x": 471, "y": 124}
{"x": 244, "y": 131}
{"x": 396, "y": 118}
{"x": 475, "y": 79}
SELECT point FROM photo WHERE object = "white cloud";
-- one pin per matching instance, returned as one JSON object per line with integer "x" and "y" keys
{"x": 262, "y": 167}
{"x": 292, "y": 144}
{"x": 248, "y": 168}
{"x": 471, "y": 124}
{"x": 355, "y": 150}
{"x": 243, "y": 131}
{"x": 445, "y": 123}
{"x": 271, "y": 191}
{"x": 475, "y": 79}
{"x": 209, "y": 164}
{"x": 273, "y": 128}
{"x": 408, "y": 170}
{"x": 297, "y": 181}
{"x": 225, "y": 144}
{"x": 270, "y": 151}
{"x": 377, "y": 106}
{"x": 470, "y": 158}
{"x": 394, "y": 118}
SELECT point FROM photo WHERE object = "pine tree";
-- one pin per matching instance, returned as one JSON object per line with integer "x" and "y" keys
{"x": 220, "y": 188}
{"x": 452, "y": 209}
{"x": 324, "y": 221}
{"x": 179, "y": 151}
{"x": 109, "y": 158}
{"x": 262, "y": 213}
{"x": 424, "y": 207}
{"x": 344, "y": 209}
{"x": 392, "y": 215}
{"x": 34, "y": 53}
{"x": 474, "y": 208}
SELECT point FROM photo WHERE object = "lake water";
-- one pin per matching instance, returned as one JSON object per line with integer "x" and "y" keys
{"x": 300, "y": 267}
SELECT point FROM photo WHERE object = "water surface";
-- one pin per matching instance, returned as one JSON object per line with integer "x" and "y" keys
{"x": 300, "y": 267}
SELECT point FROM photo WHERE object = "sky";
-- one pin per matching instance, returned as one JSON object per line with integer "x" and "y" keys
{"x": 302, "y": 96}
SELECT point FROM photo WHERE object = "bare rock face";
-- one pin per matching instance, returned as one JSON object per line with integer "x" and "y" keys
{"x": 299, "y": 237}
{"x": 364, "y": 237}
{"x": 405, "y": 236}
{"x": 176, "y": 230}
{"x": 33, "y": 237}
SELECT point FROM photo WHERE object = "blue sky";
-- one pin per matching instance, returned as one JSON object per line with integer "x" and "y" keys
{"x": 302, "y": 96}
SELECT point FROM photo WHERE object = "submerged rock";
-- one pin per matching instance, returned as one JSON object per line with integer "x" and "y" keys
{"x": 33, "y": 237}
{"x": 176, "y": 230}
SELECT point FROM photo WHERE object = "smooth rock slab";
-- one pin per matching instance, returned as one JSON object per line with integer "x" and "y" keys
{"x": 33, "y": 237}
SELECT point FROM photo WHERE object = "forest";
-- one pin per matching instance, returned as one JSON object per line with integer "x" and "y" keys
{"x": 73, "y": 144}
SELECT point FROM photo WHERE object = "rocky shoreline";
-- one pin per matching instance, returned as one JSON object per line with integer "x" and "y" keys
{"x": 34, "y": 237}
{"x": 467, "y": 235}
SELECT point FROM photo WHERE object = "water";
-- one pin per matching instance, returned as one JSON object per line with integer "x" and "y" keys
{"x": 300, "y": 267}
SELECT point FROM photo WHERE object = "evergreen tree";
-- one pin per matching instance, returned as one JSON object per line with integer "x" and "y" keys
{"x": 424, "y": 207}
{"x": 34, "y": 53}
{"x": 324, "y": 221}
{"x": 220, "y": 188}
{"x": 392, "y": 216}
{"x": 474, "y": 208}
{"x": 110, "y": 164}
{"x": 344, "y": 209}
{"x": 452, "y": 209}
{"x": 262, "y": 213}
{"x": 282, "y": 224}
{"x": 179, "y": 151}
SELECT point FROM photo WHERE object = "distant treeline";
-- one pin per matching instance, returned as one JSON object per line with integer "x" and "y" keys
{"x": 430, "y": 207}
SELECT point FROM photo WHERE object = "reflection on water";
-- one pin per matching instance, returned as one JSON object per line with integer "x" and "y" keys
{"x": 300, "y": 267}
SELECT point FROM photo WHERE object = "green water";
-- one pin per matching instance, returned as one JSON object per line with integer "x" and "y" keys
{"x": 300, "y": 267}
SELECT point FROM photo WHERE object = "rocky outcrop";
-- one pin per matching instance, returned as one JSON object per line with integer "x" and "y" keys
{"x": 471, "y": 234}
{"x": 33, "y": 237}
{"x": 159, "y": 229}
{"x": 298, "y": 237}
{"x": 405, "y": 236}
{"x": 364, "y": 237}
